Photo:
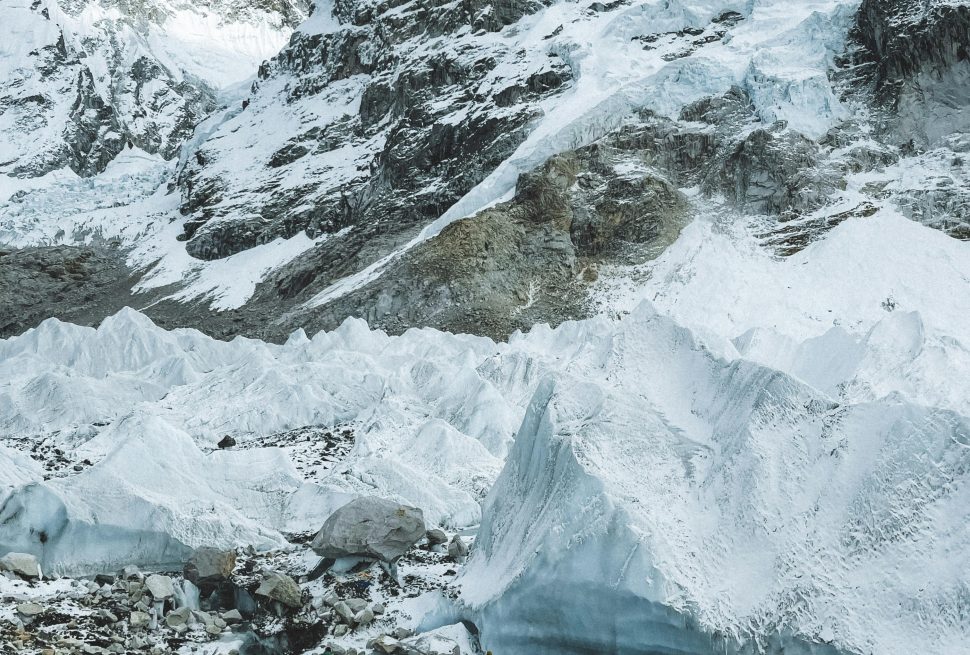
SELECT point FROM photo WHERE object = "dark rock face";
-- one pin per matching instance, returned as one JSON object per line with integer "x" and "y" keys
{"x": 532, "y": 259}
{"x": 83, "y": 284}
{"x": 425, "y": 119}
{"x": 917, "y": 54}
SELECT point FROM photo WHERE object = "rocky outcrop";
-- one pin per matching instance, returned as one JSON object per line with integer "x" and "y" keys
{"x": 392, "y": 116}
{"x": 917, "y": 54}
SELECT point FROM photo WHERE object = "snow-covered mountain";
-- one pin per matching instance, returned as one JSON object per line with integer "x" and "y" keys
{"x": 322, "y": 188}
{"x": 660, "y": 305}
{"x": 83, "y": 81}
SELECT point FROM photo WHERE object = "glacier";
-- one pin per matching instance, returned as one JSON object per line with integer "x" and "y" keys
{"x": 742, "y": 450}
{"x": 788, "y": 479}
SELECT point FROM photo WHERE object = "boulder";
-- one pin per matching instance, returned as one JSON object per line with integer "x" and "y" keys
{"x": 343, "y": 612}
{"x": 178, "y": 617}
{"x": 457, "y": 549}
{"x": 139, "y": 619}
{"x": 356, "y": 604}
{"x": 281, "y": 588}
{"x": 232, "y": 617}
{"x": 160, "y": 586}
{"x": 370, "y": 527}
{"x": 208, "y": 567}
{"x": 30, "y": 609}
{"x": 436, "y": 537}
{"x": 364, "y": 617}
{"x": 21, "y": 564}
{"x": 386, "y": 644}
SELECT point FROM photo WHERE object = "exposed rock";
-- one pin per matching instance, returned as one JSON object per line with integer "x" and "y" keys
{"x": 226, "y": 442}
{"x": 436, "y": 536}
{"x": 531, "y": 259}
{"x": 343, "y": 612}
{"x": 772, "y": 172}
{"x": 914, "y": 54}
{"x": 356, "y": 604}
{"x": 24, "y": 565}
{"x": 457, "y": 549}
{"x": 139, "y": 619}
{"x": 160, "y": 586}
{"x": 281, "y": 588}
{"x": 386, "y": 644}
{"x": 370, "y": 527}
{"x": 178, "y": 617}
{"x": 30, "y": 609}
{"x": 364, "y": 617}
{"x": 232, "y": 617}
{"x": 209, "y": 566}
{"x": 420, "y": 133}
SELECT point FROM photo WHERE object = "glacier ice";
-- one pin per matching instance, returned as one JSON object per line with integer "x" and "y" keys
{"x": 659, "y": 499}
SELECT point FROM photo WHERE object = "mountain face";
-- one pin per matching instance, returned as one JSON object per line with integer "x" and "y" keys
{"x": 333, "y": 176}
{"x": 653, "y": 312}
{"x": 86, "y": 80}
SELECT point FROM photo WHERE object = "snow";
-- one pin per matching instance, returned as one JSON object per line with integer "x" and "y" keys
{"x": 681, "y": 471}
{"x": 657, "y": 495}
{"x": 781, "y": 54}
{"x": 739, "y": 446}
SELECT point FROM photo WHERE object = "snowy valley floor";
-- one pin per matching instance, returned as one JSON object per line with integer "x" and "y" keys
{"x": 742, "y": 453}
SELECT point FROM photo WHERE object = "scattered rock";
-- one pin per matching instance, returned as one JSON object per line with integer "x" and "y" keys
{"x": 232, "y": 617}
{"x": 104, "y": 579}
{"x": 21, "y": 564}
{"x": 356, "y": 604}
{"x": 386, "y": 644}
{"x": 178, "y": 617}
{"x": 364, "y": 617}
{"x": 436, "y": 537}
{"x": 340, "y": 630}
{"x": 282, "y": 588}
{"x": 343, "y": 611}
{"x": 370, "y": 527}
{"x": 378, "y": 608}
{"x": 131, "y": 572}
